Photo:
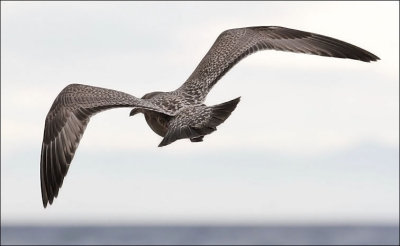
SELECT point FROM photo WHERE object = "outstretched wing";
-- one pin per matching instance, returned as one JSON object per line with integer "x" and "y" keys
{"x": 233, "y": 45}
{"x": 64, "y": 127}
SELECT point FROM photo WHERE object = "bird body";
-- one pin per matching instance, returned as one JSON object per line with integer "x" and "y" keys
{"x": 176, "y": 114}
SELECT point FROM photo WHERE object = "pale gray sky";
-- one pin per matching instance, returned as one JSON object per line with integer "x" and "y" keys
{"x": 324, "y": 148}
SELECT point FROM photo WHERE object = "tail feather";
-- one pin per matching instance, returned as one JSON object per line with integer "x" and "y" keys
{"x": 221, "y": 112}
{"x": 186, "y": 125}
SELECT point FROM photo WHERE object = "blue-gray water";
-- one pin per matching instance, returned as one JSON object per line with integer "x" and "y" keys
{"x": 362, "y": 235}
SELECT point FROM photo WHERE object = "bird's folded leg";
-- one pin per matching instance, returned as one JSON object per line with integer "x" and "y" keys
{"x": 197, "y": 139}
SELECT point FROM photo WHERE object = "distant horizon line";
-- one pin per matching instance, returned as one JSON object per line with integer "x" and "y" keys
{"x": 201, "y": 224}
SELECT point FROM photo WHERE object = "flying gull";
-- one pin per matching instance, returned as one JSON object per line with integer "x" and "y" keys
{"x": 176, "y": 114}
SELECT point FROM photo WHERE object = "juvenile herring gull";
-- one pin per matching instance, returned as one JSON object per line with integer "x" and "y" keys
{"x": 176, "y": 114}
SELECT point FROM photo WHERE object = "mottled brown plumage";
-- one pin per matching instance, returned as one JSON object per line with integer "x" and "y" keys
{"x": 177, "y": 114}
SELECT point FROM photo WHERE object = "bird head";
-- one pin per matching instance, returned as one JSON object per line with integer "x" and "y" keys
{"x": 135, "y": 111}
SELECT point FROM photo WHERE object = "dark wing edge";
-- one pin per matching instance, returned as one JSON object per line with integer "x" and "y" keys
{"x": 297, "y": 41}
{"x": 64, "y": 127}
{"x": 233, "y": 45}
{"x": 61, "y": 139}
